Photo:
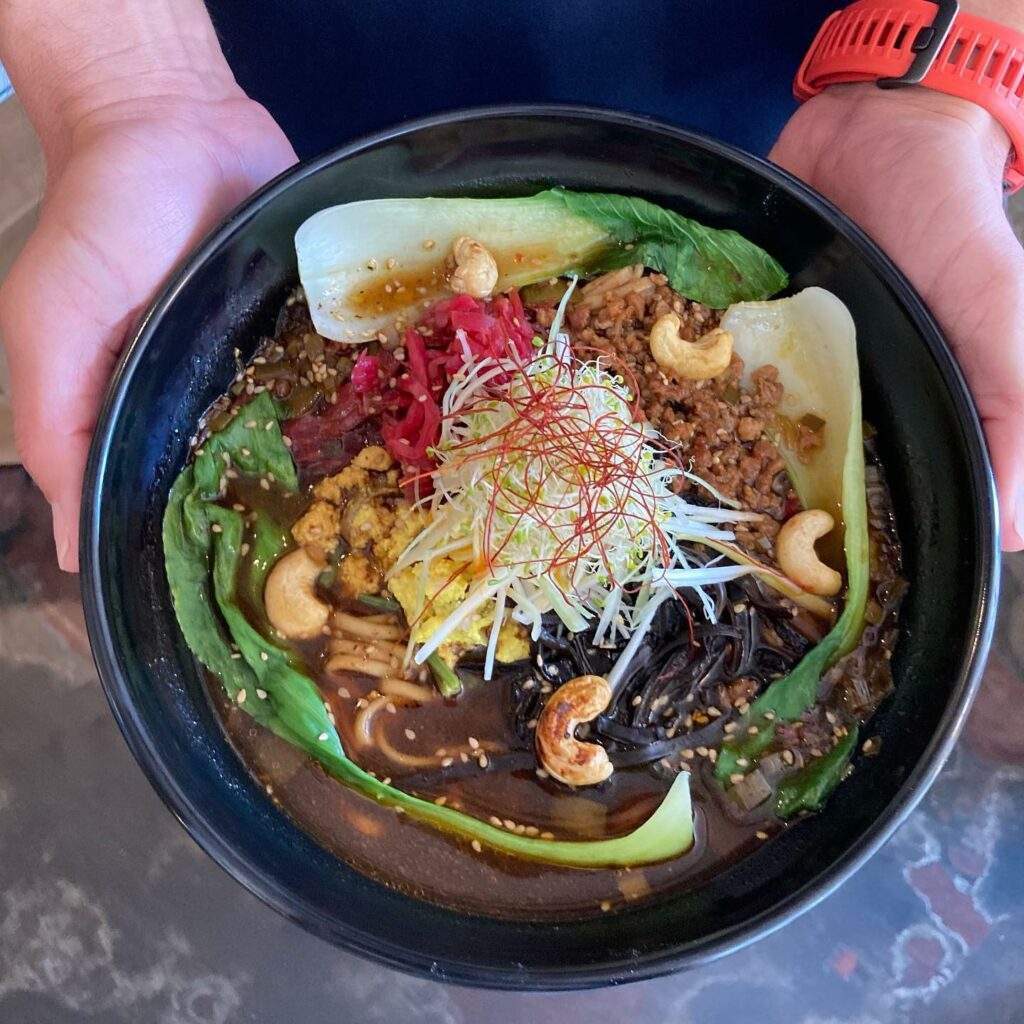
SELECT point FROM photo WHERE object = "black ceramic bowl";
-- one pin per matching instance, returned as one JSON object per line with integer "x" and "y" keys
{"x": 229, "y": 291}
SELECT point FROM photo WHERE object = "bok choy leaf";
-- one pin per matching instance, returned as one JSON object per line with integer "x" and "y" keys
{"x": 811, "y": 339}
{"x": 362, "y": 264}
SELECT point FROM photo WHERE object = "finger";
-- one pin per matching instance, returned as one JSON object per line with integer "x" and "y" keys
{"x": 1006, "y": 438}
{"x": 59, "y": 365}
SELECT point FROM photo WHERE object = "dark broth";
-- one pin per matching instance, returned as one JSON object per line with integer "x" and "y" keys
{"x": 443, "y": 868}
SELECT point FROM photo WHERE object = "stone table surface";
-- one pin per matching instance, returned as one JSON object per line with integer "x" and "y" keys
{"x": 109, "y": 912}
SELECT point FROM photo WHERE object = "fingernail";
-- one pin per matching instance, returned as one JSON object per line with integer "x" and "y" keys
{"x": 61, "y": 537}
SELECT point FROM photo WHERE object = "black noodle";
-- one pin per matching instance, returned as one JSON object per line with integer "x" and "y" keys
{"x": 679, "y": 669}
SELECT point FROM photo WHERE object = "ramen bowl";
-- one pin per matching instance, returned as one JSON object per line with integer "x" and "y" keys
{"x": 226, "y": 296}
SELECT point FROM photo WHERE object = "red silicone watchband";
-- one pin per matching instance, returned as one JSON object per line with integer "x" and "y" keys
{"x": 980, "y": 60}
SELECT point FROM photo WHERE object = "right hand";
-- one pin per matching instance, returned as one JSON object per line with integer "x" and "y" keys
{"x": 136, "y": 185}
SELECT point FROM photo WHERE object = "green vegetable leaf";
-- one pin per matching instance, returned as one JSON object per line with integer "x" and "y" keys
{"x": 202, "y": 552}
{"x": 448, "y": 683}
{"x": 809, "y": 788}
{"x": 714, "y": 266}
{"x": 348, "y": 253}
{"x": 811, "y": 339}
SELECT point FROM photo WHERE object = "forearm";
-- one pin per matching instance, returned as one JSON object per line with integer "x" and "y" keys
{"x": 1006, "y": 12}
{"x": 72, "y": 60}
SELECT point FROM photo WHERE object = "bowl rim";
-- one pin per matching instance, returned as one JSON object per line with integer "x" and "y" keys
{"x": 979, "y": 630}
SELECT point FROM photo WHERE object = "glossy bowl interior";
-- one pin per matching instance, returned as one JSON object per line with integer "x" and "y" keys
{"x": 229, "y": 292}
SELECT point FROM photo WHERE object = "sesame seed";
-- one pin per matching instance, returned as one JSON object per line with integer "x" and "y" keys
{"x": 264, "y": 656}
{"x": 637, "y": 701}
{"x": 477, "y": 848}
{"x": 761, "y": 835}
{"x": 509, "y": 824}
{"x": 447, "y": 762}
{"x": 464, "y": 757}
{"x": 730, "y": 727}
{"x": 702, "y": 751}
{"x": 605, "y": 906}
{"x": 473, "y": 742}
{"x": 441, "y": 801}
{"x": 264, "y": 483}
{"x": 216, "y": 528}
{"x": 547, "y": 835}
{"x": 269, "y": 425}
{"x": 742, "y": 762}
{"x": 713, "y": 712}
{"x": 262, "y": 694}
{"x": 343, "y": 691}
{"x": 410, "y": 734}
{"x": 736, "y": 777}
{"x": 241, "y": 696}
{"x": 713, "y": 755}
{"x": 483, "y": 762}
{"x": 235, "y": 655}
{"x": 788, "y": 756}
{"x": 752, "y": 730}
{"x": 689, "y": 754}
{"x": 322, "y": 737}
{"x": 541, "y": 774}
{"x": 495, "y": 821}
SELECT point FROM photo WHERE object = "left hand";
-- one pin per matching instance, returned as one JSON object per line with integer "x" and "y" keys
{"x": 922, "y": 174}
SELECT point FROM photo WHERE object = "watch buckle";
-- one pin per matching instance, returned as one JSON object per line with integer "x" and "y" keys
{"x": 926, "y": 46}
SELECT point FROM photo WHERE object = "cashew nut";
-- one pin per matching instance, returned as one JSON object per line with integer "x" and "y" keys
{"x": 794, "y": 547}
{"x": 292, "y": 606}
{"x": 476, "y": 270}
{"x": 702, "y": 359}
{"x": 562, "y": 755}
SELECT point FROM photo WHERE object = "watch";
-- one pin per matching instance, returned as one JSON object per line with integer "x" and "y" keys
{"x": 924, "y": 42}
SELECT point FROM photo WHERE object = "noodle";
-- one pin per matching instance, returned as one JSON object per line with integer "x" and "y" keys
{"x": 403, "y": 688}
{"x": 351, "y": 663}
{"x": 362, "y": 626}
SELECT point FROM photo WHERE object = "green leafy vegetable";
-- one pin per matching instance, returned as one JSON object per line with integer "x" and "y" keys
{"x": 809, "y": 788}
{"x": 202, "y": 551}
{"x": 811, "y": 339}
{"x": 348, "y": 254}
{"x": 714, "y": 266}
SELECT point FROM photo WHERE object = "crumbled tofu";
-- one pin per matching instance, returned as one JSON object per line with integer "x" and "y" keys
{"x": 445, "y": 589}
{"x": 408, "y": 523}
{"x": 320, "y": 524}
{"x": 337, "y": 488}
{"x": 357, "y": 575}
{"x": 366, "y": 522}
{"x": 375, "y": 458}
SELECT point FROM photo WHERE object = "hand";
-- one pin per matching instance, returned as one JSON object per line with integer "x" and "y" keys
{"x": 922, "y": 174}
{"x": 134, "y": 187}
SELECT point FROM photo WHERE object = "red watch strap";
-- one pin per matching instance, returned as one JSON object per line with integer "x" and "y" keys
{"x": 980, "y": 60}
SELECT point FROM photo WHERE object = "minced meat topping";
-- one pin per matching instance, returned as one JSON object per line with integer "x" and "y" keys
{"x": 719, "y": 424}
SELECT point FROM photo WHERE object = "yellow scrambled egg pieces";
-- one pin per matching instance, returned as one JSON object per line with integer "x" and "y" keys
{"x": 445, "y": 589}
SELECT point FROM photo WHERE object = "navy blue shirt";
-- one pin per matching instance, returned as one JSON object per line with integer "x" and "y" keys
{"x": 330, "y": 70}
